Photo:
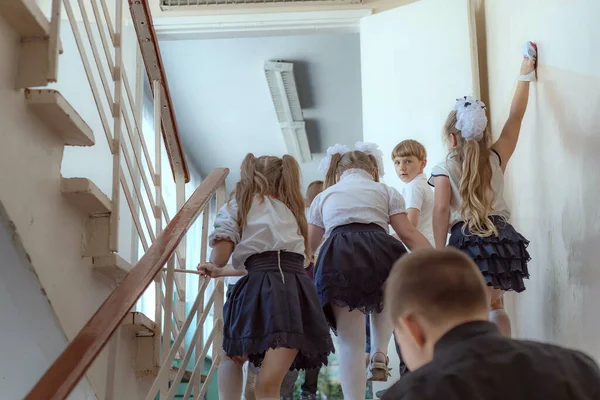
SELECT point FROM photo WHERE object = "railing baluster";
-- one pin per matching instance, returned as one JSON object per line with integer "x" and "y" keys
{"x": 116, "y": 112}
{"x": 138, "y": 159}
{"x": 96, "y": 55}
{"x": 197, "y": 372}
{"x": 105, "y": 43}
{"x": 203, "y": 252}
{"x": 109, "y": 24}
{"x": 181, "y": 278}
{"x": 113, "y": 350}
{"x": 137, "y": 124}
{"x": 219, "y": 286}
{"x": 88, "y": 71}
{"x": 134, "y": 216}
{"x": 54, "y": 41}
{"x": 166, "y": 366}
{"x": 169, "y": 310}
{"x": 213, "y": 369}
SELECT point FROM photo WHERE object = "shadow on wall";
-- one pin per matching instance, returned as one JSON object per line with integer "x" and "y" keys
{"x": 556, "y": 190}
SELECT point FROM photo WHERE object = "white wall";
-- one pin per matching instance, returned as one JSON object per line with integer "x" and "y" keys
{"x": 553, "y": 177}
{"x": 415, "y": 62}
{"x": 31, "y": 335}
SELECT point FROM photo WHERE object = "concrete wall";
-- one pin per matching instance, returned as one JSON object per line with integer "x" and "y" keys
{"x": 31, "y": 335}
{"x": 553, "y": 179}
{"x": 51, "y": 230}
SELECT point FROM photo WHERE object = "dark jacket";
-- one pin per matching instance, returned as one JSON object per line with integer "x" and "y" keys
{"x": 474, "y": 361}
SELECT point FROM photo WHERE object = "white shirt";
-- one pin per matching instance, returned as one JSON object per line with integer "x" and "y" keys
{"x": 418, "y": 195}
{"x": 271, "y": 226}
{"x": 356, "y": 198}
{"x": 452, "y": 168}
{"x": 231, "y": 280}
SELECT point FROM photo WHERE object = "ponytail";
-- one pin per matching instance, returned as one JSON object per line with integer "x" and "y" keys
{"x": 331, "y": 176}
{"x": 375, "y": 171}
{"x": 476, "y": 189}
{"x": 288, "y": 192}
{"x": 251, "y": 183}
{"x": 276, "y": 177}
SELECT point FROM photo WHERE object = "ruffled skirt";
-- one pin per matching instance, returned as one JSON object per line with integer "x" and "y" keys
{"x": 501, "y": 259}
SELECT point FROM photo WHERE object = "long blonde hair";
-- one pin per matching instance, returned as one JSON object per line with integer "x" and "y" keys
{"x": 475, "y": 188}
{"x": 275, "y": 177}
{"x": 351, "y": 159}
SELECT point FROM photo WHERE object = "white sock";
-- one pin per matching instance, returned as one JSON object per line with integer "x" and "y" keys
{"x": 381, "y": 333}
{"x": 230, "y": 380}
{"x": 351, "y": 352}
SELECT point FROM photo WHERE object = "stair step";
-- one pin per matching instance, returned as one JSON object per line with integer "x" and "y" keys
{"x": 187, "y": 375}
{"x": 86, "y": 196}
{"x": 140, "y": 324}
{"x": 112, "y": 266}
{"x": 52, "y": 108}
{"x": 25, "y": 17}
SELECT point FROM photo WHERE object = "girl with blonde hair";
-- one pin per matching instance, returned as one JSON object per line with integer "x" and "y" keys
{"x": 469, "y": 188}
{"x": 272, "y": 316}
{"x": 354, "y": 213}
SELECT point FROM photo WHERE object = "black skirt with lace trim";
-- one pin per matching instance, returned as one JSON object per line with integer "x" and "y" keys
{"x": 501, "y": 259}
{"x": 276, "y": 305}
{"x": 352, "y": 267}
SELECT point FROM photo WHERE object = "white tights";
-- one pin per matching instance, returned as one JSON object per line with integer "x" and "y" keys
{"x": 352, "y": 340}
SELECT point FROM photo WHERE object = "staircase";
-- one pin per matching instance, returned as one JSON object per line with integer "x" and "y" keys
{"x": 73, "y": 231}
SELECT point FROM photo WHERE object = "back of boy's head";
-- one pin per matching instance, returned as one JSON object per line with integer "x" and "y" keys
{"x": 314, "y": 188}
{"x": 352, "y": 159}
{"x": 436, "y": 285}
{"x": 275, "y": 177}
{"x": 407, "y": 148}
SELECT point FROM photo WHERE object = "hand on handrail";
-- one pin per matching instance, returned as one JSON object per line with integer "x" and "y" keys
{"x": 212, "y": 271}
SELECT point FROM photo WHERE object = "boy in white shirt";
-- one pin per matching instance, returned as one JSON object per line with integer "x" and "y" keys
{"x": 410, "y": 159}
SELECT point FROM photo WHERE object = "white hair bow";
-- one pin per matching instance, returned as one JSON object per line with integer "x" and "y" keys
{"x": 470, "y": 118}
{"x": 372, "y": 149}
{"x": 326, "y": 161}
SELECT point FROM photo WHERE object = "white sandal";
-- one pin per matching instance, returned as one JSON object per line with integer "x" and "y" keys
{"x": 379, "y": 371}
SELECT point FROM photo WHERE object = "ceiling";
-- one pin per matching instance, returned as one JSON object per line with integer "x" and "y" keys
{"x": 223, "y": 105}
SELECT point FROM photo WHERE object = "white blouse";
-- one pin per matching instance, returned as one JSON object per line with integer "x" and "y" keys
{"x": 418, "y": 195}
{"x": 271, "y": 226}
{"x": 356, "y": 198}
{"x": 452, "y": 168}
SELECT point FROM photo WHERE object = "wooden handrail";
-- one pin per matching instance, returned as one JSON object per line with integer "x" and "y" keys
{"x": 142, "y": 20}
{"x": 71, "y": 365}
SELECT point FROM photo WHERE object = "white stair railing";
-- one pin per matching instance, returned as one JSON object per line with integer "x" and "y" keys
{"x": 139, "y": 177}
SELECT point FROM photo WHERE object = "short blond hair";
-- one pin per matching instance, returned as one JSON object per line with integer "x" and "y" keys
{"x": 313, "y": 189}
{"x": 436, "y": 285}
{"x": 407, "y": 148}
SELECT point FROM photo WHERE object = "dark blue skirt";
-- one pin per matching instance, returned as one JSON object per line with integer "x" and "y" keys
{"x": 501, "y": 259}
{"x": 266, "y": 310}
{"x": 352, "y": 267}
